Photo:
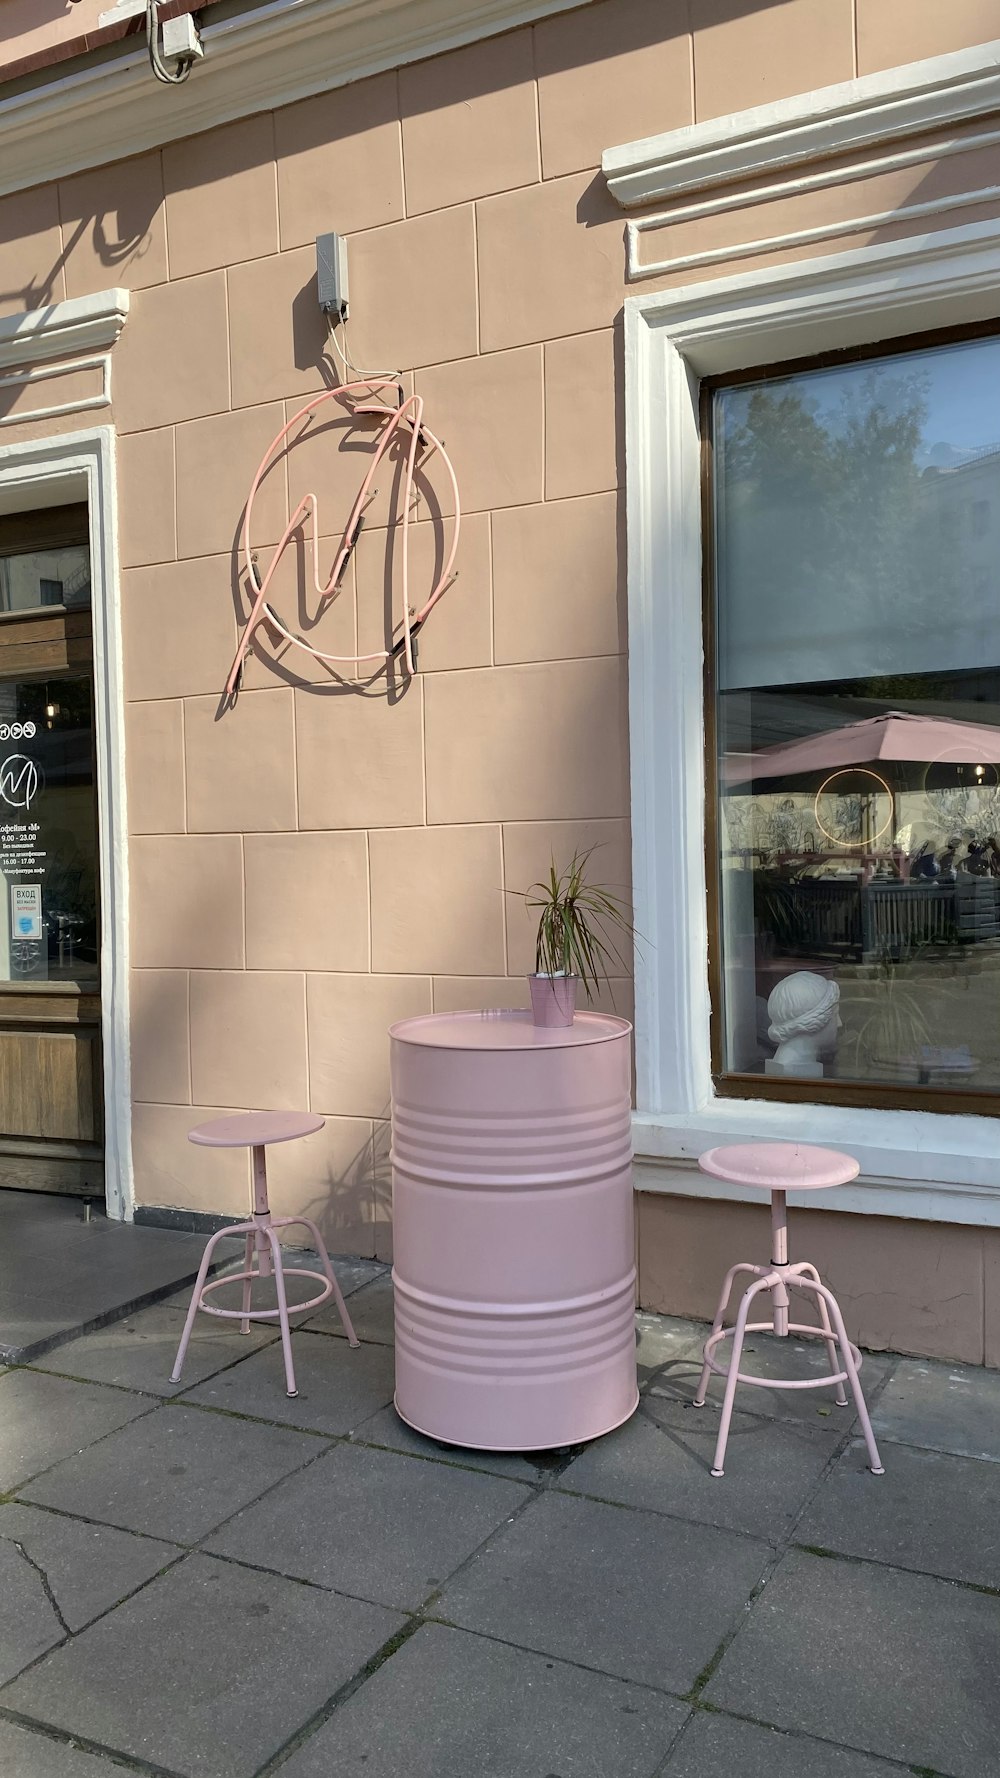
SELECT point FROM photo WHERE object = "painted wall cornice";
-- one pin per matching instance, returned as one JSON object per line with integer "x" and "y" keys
{"x": 254, "y": 61}
{"x": 84, "y": 324}
{"x": 940, "y": 93}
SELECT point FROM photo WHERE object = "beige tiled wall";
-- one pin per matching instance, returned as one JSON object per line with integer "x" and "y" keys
{"x": 919, "y": 1287}
{"x": 319, "y": 862}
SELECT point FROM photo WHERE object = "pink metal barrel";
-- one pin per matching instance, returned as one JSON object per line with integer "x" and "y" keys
{"x": 512, "y": 1222}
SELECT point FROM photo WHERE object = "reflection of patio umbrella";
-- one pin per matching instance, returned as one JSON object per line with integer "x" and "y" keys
{"x": 928, "y": 740}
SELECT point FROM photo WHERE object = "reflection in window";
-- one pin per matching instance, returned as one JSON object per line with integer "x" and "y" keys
{"x": 858, "y": 675}
{"x": 45, "y": 577}
{"x": 48, "y": 833}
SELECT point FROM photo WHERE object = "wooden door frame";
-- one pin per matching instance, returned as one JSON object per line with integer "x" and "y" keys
{"x": 53, "y": 472}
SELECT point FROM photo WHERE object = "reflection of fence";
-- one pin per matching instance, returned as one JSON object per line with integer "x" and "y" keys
{"x": 898, "y": 915}
{"x": 977, "y": 907}
{"x": 813, "y": 918}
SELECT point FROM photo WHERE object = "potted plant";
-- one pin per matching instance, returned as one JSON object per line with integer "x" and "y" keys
{"x": 581, "y": 928}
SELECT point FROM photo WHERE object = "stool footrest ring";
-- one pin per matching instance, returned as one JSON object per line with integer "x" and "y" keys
{"x": 312, "y": 1302}
{"x": 794, "y": 1327}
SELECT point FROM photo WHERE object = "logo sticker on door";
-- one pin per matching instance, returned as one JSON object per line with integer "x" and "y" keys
{"x": 19, "y": 781}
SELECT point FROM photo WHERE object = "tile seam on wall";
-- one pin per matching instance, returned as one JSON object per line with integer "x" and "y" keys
{"x": 190, "y": 1062}
{"x": 166, "y": 225}
{"x": 475, "y": 278}
{"x": 368, "y": 874}
{"x": 184, "y": 772}
{"x": 423, "y": 757}
{"x": 173, "y": 471}
{"x": 229, "y": 342}
{"x": 492, "y": 587}
{"x": 692, "y": 72}
{"x": 61, "y": 269}
{"x": 538, "y": 107}
{"x": 402, "y": 158}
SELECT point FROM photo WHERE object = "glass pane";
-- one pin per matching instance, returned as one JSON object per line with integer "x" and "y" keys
{"x": 48, "y": 833}
{"x": 45, "y": 577}
{"x": 858, "y": 587}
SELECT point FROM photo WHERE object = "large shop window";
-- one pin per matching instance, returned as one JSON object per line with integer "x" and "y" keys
{"x": 853, "y": 511}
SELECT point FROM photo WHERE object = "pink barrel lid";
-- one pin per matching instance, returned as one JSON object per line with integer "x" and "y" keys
{"x": 505, "y": 1029}
{"x": 780, "y": 1166}
{"x": 255, "y": 1129}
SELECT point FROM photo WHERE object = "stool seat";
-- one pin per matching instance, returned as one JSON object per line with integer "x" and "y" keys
{"x": 255, "y": 1129}
{"x": 780, "y": 1166}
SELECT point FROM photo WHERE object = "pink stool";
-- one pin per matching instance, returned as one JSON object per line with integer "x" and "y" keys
{"x": 253, "y": 1130}
{"x": 779, "y": 1167}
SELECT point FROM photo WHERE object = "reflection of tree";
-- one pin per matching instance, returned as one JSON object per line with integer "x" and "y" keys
{"x": 830, "y": 500}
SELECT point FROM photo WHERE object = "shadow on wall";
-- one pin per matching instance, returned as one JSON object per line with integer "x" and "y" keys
{"x": 336, "y": 1196}
{"x": 117, "y": 237}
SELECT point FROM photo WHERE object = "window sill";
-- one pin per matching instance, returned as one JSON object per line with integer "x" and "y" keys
{"x": 914, "y": 1164}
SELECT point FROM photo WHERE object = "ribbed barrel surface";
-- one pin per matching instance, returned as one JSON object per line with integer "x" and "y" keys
{"x": 512, "y": 1220}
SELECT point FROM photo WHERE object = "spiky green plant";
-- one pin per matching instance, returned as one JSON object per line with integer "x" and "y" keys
{"x": 581, "y": 926}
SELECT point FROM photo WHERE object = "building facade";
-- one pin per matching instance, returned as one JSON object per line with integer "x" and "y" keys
{"x": 702, "y": 299}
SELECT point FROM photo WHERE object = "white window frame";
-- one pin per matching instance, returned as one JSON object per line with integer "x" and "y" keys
{"x": 914, "y": 1163}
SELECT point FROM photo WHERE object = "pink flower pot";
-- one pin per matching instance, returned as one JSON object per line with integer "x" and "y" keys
{"x": 553, "y": 999}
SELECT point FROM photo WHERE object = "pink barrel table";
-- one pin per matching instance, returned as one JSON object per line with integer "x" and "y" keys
{"x": 514, "y": 1263}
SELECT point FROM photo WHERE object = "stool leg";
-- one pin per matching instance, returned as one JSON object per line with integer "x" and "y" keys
{"x": 877, "y": 1467}
{"x": 338, "y": 1295}
{"x": 831, "y": 1345}
{"x": 734, "y": 1365}
{"x": 248, "y": 1268}
{"x": 699, "y": 1400}
{"x": 279, "y": 1285}
{"x": 210, "y": 1246}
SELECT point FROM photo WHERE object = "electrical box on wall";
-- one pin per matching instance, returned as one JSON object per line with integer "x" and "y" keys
{"x": 331, "y": 274}
{"x": 181, "y": 42}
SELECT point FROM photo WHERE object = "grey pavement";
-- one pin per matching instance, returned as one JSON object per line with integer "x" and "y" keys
{"x": 214, "y": 1581}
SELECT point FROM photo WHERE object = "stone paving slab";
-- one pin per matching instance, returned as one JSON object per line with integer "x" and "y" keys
{"x": 622, "y": 1591}
{"x": 662, "y": 1459}
{"x": 719, "y": 1747}
{"x": 930, "y": 1511}
{"x": 28, "y": 1753}
{"x": 60, "y": 1275}
{"x": 139, "y": 1352}
{"x": 450, "y": 1705}
{"x": 943, "y": 1407}
{"x": 889, "y": 1663}
{"x": 370, "y": 1309}
{"x": 372, "y": 1523}
{"x": 766, "y": 1356}
{"x": 662, "y": 1340}
{"x": 176, "y": 1474}
{"x": 387, "y": 1429}
{"x": 339, "y": 1386}
{"x": 208, "y": 1671}
{"x": 45, "y": 1419}
{"x": 87, "y": 1567}
{"x": 28, "y": 1623}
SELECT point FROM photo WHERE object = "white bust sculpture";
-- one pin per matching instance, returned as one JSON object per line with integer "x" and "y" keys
{"x": 804, "y": 1021}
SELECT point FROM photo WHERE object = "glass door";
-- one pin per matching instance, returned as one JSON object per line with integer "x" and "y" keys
{"x": 51, "y": 1135}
